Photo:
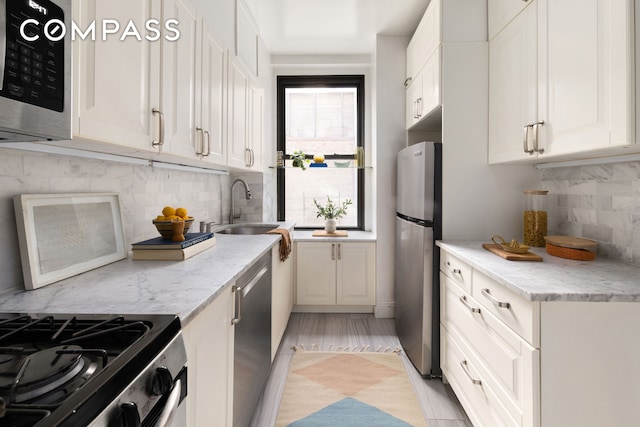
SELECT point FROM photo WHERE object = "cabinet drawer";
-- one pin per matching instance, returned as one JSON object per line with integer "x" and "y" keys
{"x": 519, "y": 314}
{"x": 465, "y": 374}
{"x": 458, "y": 271}
{"x": 512, "y": 363}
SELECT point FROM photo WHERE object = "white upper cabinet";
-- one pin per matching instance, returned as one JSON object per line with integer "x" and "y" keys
{"x": 245, "y": 120}
{"x": 163, "y": 98}
{"x": 116, "y": 82}
{"x": 256, "y": 126}
{"x": 211, "y": 70}
{"x": 246, "y": 38}
{"x": 238, "y": 84}
{"x": 562, "y": 81}
{"x": 178, "y": 80}
{"x": 441, "y": 23}
{"x": 513, "y": 87}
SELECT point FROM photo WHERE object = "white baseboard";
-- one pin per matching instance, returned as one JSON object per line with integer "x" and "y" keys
{"x": 384, "y": 310}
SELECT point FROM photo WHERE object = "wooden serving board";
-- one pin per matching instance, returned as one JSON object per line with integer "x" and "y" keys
{"x": 338, "y": 233}
{"x": 572, "y": 242}
{"x": 496, "y": 249}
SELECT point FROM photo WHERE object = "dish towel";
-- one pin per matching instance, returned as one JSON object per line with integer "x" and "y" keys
{"x": 285, "y": 242}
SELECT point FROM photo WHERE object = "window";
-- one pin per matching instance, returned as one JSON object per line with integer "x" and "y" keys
{"x": 321, "y": 115}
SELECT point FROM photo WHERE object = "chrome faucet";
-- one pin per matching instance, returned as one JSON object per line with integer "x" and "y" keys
{"x": 232, "y": 214}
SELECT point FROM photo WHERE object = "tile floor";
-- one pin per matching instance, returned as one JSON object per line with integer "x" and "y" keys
{"x": 330, "y": 332}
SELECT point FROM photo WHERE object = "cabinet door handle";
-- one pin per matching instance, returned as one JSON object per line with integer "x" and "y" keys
{"x": 465, "y": 368}
{"x": 333, "y": 252}
{"x": 247, "y": 157}
{"x": 200, "y": 137}
{"x": 535, "y": 127}
{"x": 339, "y": 251}
{"x": 407, "y": 81}
{"x": 253, "y": 157}
{"x": 494, "y": 300}
{"x": 463, "y": 300}
{"x": 237, "y": 292}
{"x": 419, "y": 108}
{"x": 160, "y": 141}
{"x": 208, "y": 135}
{"x": 525, "y": 139}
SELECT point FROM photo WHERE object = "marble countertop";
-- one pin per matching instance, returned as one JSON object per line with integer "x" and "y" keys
{"x": 353, "y": 236}
{"x": 553, "y": 279}
{"x": 149, "y": 287}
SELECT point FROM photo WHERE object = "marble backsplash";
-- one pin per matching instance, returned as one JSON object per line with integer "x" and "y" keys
{"x": 600, "y": 202}
{"x": 144, "y": 191}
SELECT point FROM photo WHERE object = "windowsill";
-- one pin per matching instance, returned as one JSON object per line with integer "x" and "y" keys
{"x": 354, "y": 236}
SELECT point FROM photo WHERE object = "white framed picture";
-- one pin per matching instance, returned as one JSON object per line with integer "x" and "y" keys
{"x": 61, "y": 235}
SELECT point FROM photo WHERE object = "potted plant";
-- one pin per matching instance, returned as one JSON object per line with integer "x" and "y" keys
{"x": 330, "y": 212}
{"x": 299, "y": 159}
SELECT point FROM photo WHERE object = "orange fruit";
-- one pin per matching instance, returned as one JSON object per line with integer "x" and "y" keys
{"x": 160, "y": 218}
{"x": 181, "y": 212}
{"x": 168, "y": 211}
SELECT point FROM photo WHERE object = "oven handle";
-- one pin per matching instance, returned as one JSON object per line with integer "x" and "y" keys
{"x": 166, "y": 417}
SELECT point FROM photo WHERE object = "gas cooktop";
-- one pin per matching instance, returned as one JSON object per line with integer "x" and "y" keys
{"x": 65, "y": 369}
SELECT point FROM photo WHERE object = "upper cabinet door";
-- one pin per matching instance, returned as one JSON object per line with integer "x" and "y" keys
{"x": 178, "y": 88}
{"x": 572, "y": 62}
{"x": 116, "y": 82}
{"x": 512, "y": 87}
{"x": 237, "y": 116}
{"x": 586, "y": 59}
{"x": 425, "y": 39}
{"x": 212, "y": 87}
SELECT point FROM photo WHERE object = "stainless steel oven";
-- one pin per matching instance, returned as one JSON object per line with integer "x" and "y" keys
{"x": 35, "y": 70}
{"x": 92, "y": 370}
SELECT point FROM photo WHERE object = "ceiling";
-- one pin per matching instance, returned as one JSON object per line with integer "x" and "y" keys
{"x": 307, "y": 27}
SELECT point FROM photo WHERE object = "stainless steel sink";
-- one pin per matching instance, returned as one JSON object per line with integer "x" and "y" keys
{"x": 250, "y": 229}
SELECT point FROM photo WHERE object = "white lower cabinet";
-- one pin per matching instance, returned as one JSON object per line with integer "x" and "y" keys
{"x": 515, "y": 362}
{"x": 281, "y": 297}
{"x": 335, "y": 274}
{"x": 209, "y": 340}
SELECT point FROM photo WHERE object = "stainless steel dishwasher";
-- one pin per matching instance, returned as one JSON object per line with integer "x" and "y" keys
{"x": 252, "y": 350}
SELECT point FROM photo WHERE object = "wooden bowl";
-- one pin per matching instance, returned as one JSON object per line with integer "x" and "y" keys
{"x": 166, "y": 230}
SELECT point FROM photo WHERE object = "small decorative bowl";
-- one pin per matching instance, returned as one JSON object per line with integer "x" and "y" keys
{"x": 344, "y": 164}
{"x": 166, "y": 230}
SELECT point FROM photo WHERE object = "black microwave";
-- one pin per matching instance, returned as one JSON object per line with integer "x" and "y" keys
{"x": 35, "y": 70}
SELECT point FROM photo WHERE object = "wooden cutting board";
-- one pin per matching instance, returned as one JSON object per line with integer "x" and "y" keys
{"x": 572, "y": 242}
{"x": 322, "y": 233}
{"x": 496, "y": 249}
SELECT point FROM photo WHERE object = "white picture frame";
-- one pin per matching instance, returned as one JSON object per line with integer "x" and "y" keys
{"x": 62, "y": 235}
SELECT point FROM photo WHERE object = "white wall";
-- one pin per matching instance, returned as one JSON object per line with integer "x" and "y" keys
{"x": 389, "y": 136}
{"x": 478, "y": 200}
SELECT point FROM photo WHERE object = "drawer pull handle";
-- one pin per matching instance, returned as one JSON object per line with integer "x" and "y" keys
{"x": 497, "y": 302}
{"x": 465, "y": 368}
{"x": 463, "y": 300}
{"x": 454, "y": 270}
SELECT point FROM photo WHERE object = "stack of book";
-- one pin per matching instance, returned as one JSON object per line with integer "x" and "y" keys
{"x": 161, "y": 249}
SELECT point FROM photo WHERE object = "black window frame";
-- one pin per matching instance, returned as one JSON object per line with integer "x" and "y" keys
{"x": 321, "y": 81}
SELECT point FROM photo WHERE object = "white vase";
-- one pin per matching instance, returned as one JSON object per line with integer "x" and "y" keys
{"x": 330, "y": 225}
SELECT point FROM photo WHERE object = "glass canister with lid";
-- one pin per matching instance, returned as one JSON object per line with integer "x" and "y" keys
{"x": 535, "y": 217}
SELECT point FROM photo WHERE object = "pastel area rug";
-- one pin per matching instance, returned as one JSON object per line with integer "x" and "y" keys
{"x": 347, "y": 390}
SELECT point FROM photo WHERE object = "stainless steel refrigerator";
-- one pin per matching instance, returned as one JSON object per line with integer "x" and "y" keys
{"x": 418, "y": 226}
